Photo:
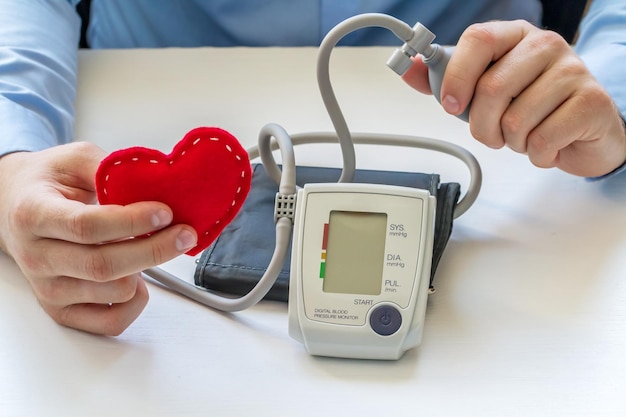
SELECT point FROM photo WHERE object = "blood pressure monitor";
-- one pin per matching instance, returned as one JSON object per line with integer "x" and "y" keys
{"x": 361, "y": 260}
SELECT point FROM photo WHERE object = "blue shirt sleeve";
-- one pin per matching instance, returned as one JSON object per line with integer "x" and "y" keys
{"x": 38, "y": 58}
{"x": 602, "y": 46}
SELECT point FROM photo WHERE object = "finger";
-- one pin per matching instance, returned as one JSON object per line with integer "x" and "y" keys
{"x": 479, "y": 46}
{"x": 559, "y": 130}
{"x": 539, "y": 100}
{"x": 76, "y": 163}
{"x": 568, "y": 140}
{"x": 72, "y": 221}
{"x": 417, "y": 76}
{"x": 111, "y": 261}
{"x": 63, "y": 291}
{"x": 110, "y": 320}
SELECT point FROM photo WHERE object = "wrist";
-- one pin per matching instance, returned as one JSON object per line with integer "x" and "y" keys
{"x": 620, "y": 168}
{"x": 7, "y": 173}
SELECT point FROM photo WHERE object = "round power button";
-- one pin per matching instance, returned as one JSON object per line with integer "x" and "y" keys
{"x": 385, "y": 320}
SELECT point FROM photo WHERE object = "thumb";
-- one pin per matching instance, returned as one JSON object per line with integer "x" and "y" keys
{"x": 77, "y": 162}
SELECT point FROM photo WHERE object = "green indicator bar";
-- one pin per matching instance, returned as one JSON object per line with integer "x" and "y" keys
{"x": 322, "y": 269}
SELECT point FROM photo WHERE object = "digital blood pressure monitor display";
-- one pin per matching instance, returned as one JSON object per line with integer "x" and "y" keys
{"x": 360, "y": 270}
{"x": 353, "y": 252}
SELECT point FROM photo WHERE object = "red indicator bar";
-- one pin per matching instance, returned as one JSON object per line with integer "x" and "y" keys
{"x": 325, "y": 238}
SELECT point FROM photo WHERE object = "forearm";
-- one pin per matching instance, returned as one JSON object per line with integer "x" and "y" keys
{"x": 38, "y": 54}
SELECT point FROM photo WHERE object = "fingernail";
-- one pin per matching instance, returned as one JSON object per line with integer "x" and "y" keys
{"x": 451, "y": 104}
{"x": 161, "y": 218}
{"x": 185, "y": 241}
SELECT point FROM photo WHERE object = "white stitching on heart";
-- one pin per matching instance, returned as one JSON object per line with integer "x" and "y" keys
{"x": 106, "y": 179}
{"x": 195, "y": 142}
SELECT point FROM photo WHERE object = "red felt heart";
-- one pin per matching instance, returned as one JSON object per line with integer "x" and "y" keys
{"x": 205, "y": 180}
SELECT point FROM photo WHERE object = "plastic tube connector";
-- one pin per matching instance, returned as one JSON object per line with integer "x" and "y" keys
{"x": 419, "y": 43}
{"x": 436, "y": 57}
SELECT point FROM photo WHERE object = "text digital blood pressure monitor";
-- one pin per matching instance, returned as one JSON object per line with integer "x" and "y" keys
{"x": 361, "y": 253}
{"x": 360, "y": 269}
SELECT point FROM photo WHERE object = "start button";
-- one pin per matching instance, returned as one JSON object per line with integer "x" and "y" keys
{"x": 385, "y": 320}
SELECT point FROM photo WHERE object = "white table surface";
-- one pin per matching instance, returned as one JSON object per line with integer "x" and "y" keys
{"x": 529, "y": 318}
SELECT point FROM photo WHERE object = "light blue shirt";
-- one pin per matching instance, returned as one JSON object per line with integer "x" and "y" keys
{"x": 157, "y": 23}
{"x": 602, "y": 45}
{"x": 39, "y": 38}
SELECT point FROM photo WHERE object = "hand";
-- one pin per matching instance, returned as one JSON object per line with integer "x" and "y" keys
{"x": 78, "y": 256}
{"x": 530, "y": 92}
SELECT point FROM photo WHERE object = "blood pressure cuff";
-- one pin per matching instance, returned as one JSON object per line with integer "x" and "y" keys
{"x": 238, "y": 258}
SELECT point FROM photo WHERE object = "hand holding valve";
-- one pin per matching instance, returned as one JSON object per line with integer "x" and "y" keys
{"x": 529, "y": 91}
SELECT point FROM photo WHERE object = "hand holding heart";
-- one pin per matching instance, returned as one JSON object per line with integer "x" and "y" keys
{"x": 205, "y": 180}
{"x": 77, "y": 255}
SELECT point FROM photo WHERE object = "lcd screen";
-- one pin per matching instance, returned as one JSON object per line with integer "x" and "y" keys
{"x": 355, "y": 252}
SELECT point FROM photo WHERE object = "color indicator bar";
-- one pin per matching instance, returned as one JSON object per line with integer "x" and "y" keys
{"x": 323, "y": 256}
